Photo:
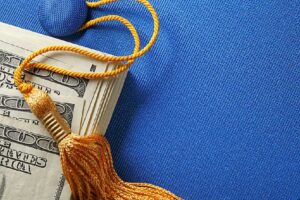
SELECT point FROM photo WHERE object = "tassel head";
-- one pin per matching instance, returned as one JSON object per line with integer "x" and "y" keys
{"x": 44, "y": 108}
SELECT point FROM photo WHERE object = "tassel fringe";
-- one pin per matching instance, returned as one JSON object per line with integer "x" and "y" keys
{"x": 88, "y": 167}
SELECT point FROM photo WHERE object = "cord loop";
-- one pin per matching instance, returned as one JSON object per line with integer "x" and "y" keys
{"x": 128, "y": 59}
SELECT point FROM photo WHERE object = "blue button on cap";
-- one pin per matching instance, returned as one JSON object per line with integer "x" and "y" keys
{"x": 62, "y": 17}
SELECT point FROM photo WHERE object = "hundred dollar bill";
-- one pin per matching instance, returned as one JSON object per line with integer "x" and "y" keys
{"x": 16, "y": 44}
{"x": 13, "y": 105}
{"x": 29, "y": 163}
{"x": 2, "y": 184}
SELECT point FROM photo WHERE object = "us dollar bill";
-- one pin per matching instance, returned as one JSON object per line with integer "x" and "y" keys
{"x": 100, "y": 95}
{"x": 29, "y": 163}
{"x": 13, "y": 50}
{"x": 30, "y": 134}
{"x": 13, "y": 105}
{"x": 9, "y": 62}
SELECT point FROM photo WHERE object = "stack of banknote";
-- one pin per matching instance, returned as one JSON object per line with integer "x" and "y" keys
{"x": 29, "y": 158}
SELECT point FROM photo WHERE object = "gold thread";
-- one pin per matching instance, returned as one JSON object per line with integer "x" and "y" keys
{"x": 56, "y": 125}
{"x": 44, "y": 108}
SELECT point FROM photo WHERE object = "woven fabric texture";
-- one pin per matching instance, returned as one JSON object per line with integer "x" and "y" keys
{"x": 213, "y": 110}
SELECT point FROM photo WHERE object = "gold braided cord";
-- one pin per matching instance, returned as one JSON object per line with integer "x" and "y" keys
{"x": 91, "y": 75}
{"x": 99, "y": 3}
{"x": 26, "y": 64}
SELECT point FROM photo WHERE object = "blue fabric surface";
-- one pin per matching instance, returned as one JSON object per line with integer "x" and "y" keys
{"x": 212, "y": 112}
{"x": 62, "y": 17}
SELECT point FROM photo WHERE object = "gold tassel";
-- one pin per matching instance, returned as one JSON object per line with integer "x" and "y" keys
{"x": 86, "y": 160}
